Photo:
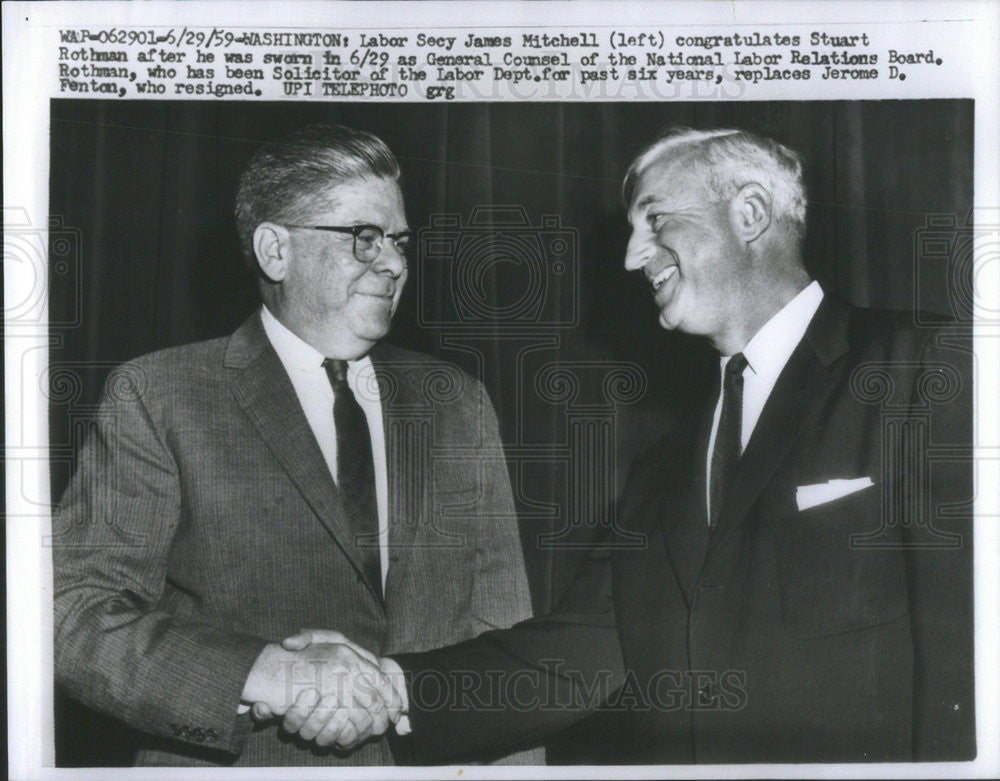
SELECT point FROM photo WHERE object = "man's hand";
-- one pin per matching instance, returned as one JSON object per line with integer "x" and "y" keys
{"x": 328, "y": 690}
{"x": 389, "y": 668}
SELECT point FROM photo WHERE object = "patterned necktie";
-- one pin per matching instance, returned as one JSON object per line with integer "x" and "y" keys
{"x": 356, "y": 470}
{"x": 726, "y": 453}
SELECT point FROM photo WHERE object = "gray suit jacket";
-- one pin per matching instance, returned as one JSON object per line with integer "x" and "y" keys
{"x": 202, "y": 523}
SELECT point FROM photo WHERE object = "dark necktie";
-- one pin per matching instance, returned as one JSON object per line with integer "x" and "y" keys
{"x": 356, "y": 470}
{"x": 726, "y": 453}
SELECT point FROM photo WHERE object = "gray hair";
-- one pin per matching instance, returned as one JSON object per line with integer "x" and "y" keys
{"x": 731, "y": 159}
{"x": 284, "y": 178}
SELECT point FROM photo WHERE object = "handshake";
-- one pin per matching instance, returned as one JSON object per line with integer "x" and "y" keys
{"x": 326, "y": 689}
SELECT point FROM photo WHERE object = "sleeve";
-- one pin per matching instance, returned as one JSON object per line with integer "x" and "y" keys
{"x": 116, "y": 650}
{"x": 939, "y": 555}
{"x": 511, "y": 687}
{"x": 500, "y": 594}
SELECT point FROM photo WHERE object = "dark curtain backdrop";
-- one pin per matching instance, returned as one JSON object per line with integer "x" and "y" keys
{"x": 143, "y": 193}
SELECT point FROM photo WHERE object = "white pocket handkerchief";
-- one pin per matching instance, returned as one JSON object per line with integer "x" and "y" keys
{"x": 807, "y": 496}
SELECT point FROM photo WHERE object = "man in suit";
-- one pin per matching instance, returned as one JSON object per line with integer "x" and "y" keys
{"x": 804, "y": 590}
{"x": 298, "y": 473}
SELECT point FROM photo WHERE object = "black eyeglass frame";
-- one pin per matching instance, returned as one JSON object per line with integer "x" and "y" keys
{"x": 356, "y": 230}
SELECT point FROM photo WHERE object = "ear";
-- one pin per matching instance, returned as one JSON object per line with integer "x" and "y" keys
{"x": 750, "y": 211}
{"x": 273, "y": 249}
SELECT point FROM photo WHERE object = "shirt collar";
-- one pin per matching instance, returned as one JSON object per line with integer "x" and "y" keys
{"x": 298, "y": 355}
{"x": 771, "y": 347}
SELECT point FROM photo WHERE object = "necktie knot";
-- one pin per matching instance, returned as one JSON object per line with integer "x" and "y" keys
{"x": 336, "y": 370}
{"x": 734, "y": 369}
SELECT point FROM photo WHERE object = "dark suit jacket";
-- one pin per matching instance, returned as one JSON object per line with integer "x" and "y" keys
{"x": 202, "y": 523}
{"x": 842, "y": 632}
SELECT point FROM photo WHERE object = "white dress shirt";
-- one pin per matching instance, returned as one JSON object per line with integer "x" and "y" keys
{"x": 304, "y": 365}
{"x": 766, "y": 353}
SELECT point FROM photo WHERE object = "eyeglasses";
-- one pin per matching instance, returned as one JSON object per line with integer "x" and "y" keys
{"x": 368, "y": 239}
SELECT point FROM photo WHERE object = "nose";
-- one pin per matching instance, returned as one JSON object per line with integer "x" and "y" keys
{"x": 640, "y": 250}
{"x": 390, "y": 260}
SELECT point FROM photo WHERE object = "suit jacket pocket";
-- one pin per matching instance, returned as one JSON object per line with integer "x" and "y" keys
{"x": 828, "y": 581}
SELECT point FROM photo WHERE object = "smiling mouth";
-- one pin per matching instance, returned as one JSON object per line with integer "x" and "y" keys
{"x": 661, "y": 279}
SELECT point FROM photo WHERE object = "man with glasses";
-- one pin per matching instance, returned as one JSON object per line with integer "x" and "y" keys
{"x": 296, "y": 474}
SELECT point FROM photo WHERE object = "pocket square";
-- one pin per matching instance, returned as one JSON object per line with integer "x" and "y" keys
{"x": 807, "y": 496}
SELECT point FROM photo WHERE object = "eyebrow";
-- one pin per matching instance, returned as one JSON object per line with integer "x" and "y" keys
{"x": 644, "y": 202}
{"x": 386, "y": 231}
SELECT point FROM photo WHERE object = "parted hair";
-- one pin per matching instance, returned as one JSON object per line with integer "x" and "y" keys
{"x": 730, "y": 159}
{"x": 285, "y": 177}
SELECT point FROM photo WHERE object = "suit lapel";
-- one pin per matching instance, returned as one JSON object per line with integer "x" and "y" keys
{"x": 685, "y": 527}
{"x": 406, "y": 499}
{"x": 262, "y": 388}
{"x": 803, "y": 383}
